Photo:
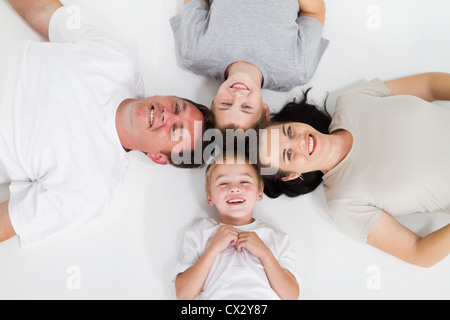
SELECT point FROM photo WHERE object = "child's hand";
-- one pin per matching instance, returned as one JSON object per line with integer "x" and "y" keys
{"x": 226, "y": 235}
{"x": 253, "y": 243}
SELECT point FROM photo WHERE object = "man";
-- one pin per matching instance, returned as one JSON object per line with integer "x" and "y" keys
{"x": 69, "y": 112}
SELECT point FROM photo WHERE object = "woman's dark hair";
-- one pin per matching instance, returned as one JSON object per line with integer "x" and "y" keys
{"x": 317, "y": 118}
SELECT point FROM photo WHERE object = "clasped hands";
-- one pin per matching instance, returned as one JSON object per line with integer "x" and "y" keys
{"x": 227, "y": 235}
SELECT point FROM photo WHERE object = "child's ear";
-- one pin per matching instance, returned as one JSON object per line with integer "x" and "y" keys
{"x": 260, "y": 195}
{"x": 209, "y": 200}
{"x": 158, "y": 158}
{"x": 267, "y": 111}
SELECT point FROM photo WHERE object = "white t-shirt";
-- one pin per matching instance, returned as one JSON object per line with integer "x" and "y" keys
{"x": 399, "y": 162}
{"x": 59, "y": 147}
{"x": 236, "y": 275}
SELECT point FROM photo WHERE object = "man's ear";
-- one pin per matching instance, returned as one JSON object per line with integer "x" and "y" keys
{"x": 267, "y": 111}
{"x": 158, "y": 158}
{"x": 291, "y": 176}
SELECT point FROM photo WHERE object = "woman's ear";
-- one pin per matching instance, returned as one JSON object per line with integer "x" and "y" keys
{"x": 291, "y": 176}
{"x": 267, "y": 111}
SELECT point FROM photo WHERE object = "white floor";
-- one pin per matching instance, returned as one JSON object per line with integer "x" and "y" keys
{"x": 128, "y": 253}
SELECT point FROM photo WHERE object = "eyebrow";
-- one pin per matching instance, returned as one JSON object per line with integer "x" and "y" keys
{"x": 240, "y": 175}
{"x": 247, "y": 174}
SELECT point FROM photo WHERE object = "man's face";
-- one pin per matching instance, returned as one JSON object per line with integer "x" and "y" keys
{"x": 156, "y": 125}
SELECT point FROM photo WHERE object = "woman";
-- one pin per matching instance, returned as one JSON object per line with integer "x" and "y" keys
{"x": 387, "y": 153}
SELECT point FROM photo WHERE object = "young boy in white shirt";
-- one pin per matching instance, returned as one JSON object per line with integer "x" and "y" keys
{"x": 241, "y": 257}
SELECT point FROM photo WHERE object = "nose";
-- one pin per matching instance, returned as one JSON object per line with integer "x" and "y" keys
{"x": 235, "y": 189}
{"x": 167, "y": 116}
{"x": 239, "y": 93}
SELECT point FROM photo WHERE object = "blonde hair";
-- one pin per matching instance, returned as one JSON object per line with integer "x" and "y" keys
{"x": 222, "y": 159}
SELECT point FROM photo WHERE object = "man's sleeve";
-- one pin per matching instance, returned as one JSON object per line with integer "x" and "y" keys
{"x": 38, "y": 213}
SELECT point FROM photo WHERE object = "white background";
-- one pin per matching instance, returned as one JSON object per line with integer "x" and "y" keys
{"x": 128, "y": 253}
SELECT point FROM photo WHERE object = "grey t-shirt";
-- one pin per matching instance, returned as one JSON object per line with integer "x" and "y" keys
{"x": 268, "y": 33}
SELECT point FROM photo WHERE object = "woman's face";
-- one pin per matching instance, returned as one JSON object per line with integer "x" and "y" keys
{"x": 299, "y": 148}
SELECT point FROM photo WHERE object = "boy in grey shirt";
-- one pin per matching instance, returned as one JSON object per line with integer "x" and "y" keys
{"x": 250, "y": 45}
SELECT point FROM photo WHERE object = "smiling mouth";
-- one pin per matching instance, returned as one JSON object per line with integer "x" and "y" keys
{"x": 236, "y": 201}
{"x": 312, "y": 144}
{"x": 239, "y": 86}
{"x": 152, "y": 116}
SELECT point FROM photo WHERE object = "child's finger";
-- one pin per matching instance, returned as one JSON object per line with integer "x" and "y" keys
{"x": 240, "y": 243}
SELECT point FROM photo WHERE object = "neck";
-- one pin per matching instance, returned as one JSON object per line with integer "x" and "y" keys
{"x": 239, "y": 221}
{"x": 247, "y": 68}
{"x": 341, "y": 144}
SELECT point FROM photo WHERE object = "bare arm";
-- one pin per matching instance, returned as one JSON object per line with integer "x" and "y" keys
{"x": 37, "y": 13}
{"x": 6, "y": 228}
{"x": 281, "y": 280}
{"x": 189, "y": 284}
{"x": 392, "y": 237}
{"x": 427, "y": 86}
{"x": 313, "y": 8}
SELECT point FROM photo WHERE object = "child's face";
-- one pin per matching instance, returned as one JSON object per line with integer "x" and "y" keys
{"x": 239, "y": 102}
{"x": 234, "y": 192}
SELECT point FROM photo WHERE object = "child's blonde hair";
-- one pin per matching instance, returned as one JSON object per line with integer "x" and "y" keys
{"x": 222, "y": 159}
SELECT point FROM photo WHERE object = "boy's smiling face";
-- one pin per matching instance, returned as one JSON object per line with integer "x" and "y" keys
{"x": 234, "y": 192}
{"x": 239, "y": 102}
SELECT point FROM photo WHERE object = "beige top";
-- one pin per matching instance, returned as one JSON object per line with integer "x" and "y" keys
{"x": 399, "y": 162}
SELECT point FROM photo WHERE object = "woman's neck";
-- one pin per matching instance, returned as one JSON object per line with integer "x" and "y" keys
{"x": 341, "y": 142}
